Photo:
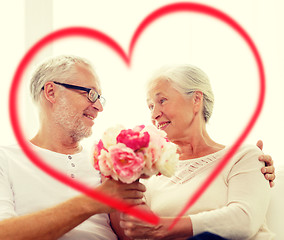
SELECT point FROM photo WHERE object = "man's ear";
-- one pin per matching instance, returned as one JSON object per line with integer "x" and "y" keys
{"x": 49, "y": 92}
{"x": 197, "y": 100}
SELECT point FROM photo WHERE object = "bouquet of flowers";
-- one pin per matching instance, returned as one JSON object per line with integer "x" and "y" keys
{"x": 127, "y": 154}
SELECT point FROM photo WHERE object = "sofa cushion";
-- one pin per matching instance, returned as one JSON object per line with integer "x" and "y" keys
{"x": 275, "y": 214}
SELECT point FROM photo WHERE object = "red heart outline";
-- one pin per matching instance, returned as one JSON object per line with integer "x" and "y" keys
{"x": 109, "y": 42}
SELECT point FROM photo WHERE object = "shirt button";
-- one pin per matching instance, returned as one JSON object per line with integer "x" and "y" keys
{"x": 72, "y": 164}
{"x": 72, "y": 175}
{"x": 70, "y": 157}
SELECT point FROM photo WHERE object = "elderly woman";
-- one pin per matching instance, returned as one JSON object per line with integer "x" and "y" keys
{"x": 181, "y": 101}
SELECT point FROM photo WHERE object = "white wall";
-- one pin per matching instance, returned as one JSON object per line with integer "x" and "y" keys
{"x": 12, "y": 48}
{"x": 178, "y": 38}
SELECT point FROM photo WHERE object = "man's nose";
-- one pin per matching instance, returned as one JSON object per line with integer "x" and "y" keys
{"x": 98, "y": 105}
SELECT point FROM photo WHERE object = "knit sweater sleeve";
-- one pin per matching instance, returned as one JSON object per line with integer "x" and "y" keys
{"x": 248, "y": 199}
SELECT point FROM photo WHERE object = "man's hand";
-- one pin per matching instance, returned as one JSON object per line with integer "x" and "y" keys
{"x": 269, "y": 169}
{"x": 130, "y": 193}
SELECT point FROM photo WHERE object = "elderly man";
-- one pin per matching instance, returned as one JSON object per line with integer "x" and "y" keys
{"x": 32, "y": 204}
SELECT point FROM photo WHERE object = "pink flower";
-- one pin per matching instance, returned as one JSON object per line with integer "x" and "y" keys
{"x": 138, "y": 128}
{"x": 97, "y": 151}
{"x": 126, "y": 163}
{"x": 105, "y": 164}
{"x": 133, "y": 139}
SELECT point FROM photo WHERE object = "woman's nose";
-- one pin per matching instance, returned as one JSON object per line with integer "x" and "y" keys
{"x": 156, "y": 114}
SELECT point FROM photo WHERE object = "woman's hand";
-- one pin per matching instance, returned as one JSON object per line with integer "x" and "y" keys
{"x": 269, "y": 169}
{"x": 137, "y": 229}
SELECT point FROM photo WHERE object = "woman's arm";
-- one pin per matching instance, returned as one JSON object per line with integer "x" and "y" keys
{"x": 247, "y": 203}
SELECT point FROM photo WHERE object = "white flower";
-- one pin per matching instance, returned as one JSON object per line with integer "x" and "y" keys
{"x": 109, "y": 136}
{"x": 168, "y": 161}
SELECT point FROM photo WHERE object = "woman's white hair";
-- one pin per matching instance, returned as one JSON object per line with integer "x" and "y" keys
{"x": 187, "y": 79}
{"x": 59, "y": 68}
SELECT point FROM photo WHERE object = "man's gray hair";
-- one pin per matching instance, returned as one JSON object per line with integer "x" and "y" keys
{"x": 187, "y": 79}
{"x": 58, "y": 68}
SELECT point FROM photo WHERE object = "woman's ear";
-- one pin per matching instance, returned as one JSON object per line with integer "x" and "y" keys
{"x": 197, "y": 100}
{"x": 49, "y": 92}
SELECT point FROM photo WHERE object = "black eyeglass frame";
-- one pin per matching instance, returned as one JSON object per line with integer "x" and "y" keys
{"x": 93, "y": 95}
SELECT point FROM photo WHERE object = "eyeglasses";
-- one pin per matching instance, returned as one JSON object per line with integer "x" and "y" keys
{"x": 93, "y": 96}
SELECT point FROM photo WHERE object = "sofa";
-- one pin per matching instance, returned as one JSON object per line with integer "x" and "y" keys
{"x": 275, "y": 212}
